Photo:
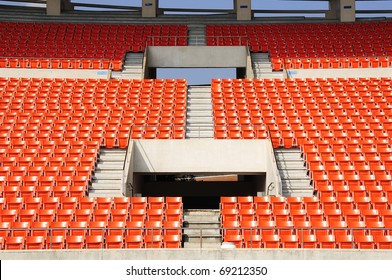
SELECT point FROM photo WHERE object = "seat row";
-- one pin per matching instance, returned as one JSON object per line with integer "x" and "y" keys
{"x": 310, "y": 241}
{"x": 90, "y": 242}
{"x": 79, "y": 45}
{"x": 329, "y": 213}
{"x": 304, "y": 203}
{"x": 90, "y": 203}
{"x": 88, "y": 228}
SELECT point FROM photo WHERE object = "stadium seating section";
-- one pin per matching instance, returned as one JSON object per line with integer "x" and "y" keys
{"x": 327, "y": 221}
{"x": 302, "y": 112}
{"x": 80, "y": 46}
{"x": 337, "y": 45}
{"x": 62, "y": 222}
{"x": 343, "y": 128}
{"x": 62, "y": 113}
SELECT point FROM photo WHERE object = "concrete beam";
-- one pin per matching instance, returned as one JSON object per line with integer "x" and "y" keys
{"x": 243, "y": 9}
{"x": 55, "y": 7}
{"x": 197, "y": 56}
{"x": 341, "y": 10}
{"x": 150, "y": 8}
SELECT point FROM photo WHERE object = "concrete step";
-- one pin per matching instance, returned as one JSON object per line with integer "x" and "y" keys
{"x": 197, "y": 225}
{"x": 192, "y": 89}
{"x": 106, "y": 184}
{"x": 202, "y": 95}
{"x": 196, "y": 231}
{"x": 201, "y": 120}
{"x": 298, "y": 193}
{"x": 201, "y": 220}
{"x": 290, "y": 176}
{"x": 217, "y": 239}
{"x": 193, "y": 114}
{"x": 111, "y": 165}
{"x": 259, "y": 55}
{"x": 296, "y": 184}
{"x": 200, "y": 134}
{"x": 112, "y": 156}
{"x": 199, "y": 106}
{"x": 108, "y": 174}
{"x": 294, "y": 165}
{"x": 199, "y": 100}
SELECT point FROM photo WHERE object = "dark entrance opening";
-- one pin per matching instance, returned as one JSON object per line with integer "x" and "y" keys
{"x": 199, "y": 191}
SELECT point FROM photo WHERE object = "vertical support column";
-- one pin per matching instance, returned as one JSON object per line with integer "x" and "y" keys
{"x": 243, "y": 9}
{"x": 66, "y": 5}
{"x": 150, "y": 8}
{"x": 53, "y": 7}
{"x": 342, "y": 10}
{"x": 347, "y": 10}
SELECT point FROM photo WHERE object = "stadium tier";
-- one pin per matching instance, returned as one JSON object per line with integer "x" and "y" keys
{"x": 337, "y": 45}
{"x": 311, "y": 222}
{"x": 36, "y": 223}
{"x": 53, "y": 132}
{"x": 80, "y": 46}
{"x": 101, "y": 112}
{"x": 297, "y": 112}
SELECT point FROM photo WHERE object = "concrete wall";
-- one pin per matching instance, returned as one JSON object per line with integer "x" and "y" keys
{"x": 339, "y": 73}
{"x": 249, "y": 69}
{"x": 206, "y": 156}
{"x": 199, "y": 254}
{"x": 54, "y": 73}
{"x": 201, "y": 156}
{"x": 197, "y": 56}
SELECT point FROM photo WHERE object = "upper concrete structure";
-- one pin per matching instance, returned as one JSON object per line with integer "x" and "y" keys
{"x": 206, "y": 156}
{"x": 197, "y": 56}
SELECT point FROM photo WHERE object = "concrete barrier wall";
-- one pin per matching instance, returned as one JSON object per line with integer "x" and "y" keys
{"x": 54, "y": 73}
{"x": 199, "y": 254}
{"x": 201, "y": 156}
{"x": 197, "y": 57}
{"x": 339, "y": 73}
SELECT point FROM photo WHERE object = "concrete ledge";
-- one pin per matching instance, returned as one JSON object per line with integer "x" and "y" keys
{"x": 199, "y": 254}
{"x": 339, "y": 73}
{"x": 53, "y": 73}
{"x": 197, "y": 57}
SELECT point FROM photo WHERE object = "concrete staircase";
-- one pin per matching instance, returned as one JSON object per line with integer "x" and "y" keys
{"x": 262, "y": 67}
{"x": 292, "y": 170}
{"x": 132, "y": 67}
{"x": 202, "y": 228}
{"x": 197, "y": 35}
{"x": 107, "y": 180}
{"x": 199, "y": 116}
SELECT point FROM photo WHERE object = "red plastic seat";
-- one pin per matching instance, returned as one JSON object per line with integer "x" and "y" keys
{"x": 114, "y": 242}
